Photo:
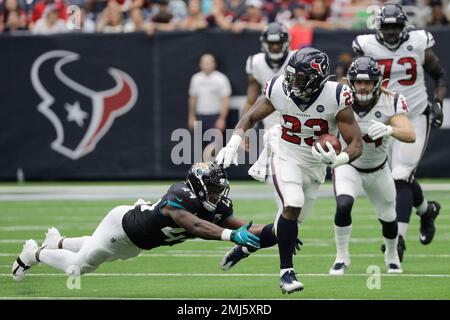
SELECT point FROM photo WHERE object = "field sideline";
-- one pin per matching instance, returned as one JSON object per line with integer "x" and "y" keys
{"x": 191, "y": 270}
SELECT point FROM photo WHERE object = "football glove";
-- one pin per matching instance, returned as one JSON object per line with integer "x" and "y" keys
{"x": 243, "y": 237}
{"x": 378, "y": 130}
{"x": 228, "y": 154}
{"x": 329, "y": 158}
{"x": 436, "y": 114}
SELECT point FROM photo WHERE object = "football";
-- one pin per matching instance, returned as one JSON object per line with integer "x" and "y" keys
{"x": 331, "y": 138}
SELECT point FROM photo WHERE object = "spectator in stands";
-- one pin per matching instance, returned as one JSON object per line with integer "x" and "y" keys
{"x": 319, "y": 14}
{"x": 438, "y": 17}
{"x": 51, "y": 23}
{"x": 163, "y": 19}
{"x": 237, "y": 7}
{"x": 111, "y": 19}
{"x": 220, "y": 17}
{"x": 135, "y": 21}
{"x": 253, "y": 19}
{"x": 13, "y": 17}
{"x": 209, "y": 94}
{"x": 300, "y": 29}
{"x": 195, "y": 19}
{"x": 282, "y": 11}
{"x": 39, "y": 9}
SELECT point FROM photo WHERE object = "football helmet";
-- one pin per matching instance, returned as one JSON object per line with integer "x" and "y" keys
{"x": 365, "y": 68}
{"x": 307, "y": 71}
{"x": 275, "y": 33}
{"x": 209, "y": 182}
{"x": 391, "y": 26}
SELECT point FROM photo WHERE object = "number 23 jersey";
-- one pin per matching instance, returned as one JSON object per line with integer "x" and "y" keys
{"x": 402, "y": 67}
{"x": 301, "y": 124}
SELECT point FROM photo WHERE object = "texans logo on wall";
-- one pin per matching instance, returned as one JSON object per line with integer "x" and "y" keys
{"x": 81, "y": 116}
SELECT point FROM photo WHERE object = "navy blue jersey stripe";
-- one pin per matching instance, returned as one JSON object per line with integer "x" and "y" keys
{"x": 395, "y": 101}
{"x": 338, "y": 92}
{"x": 271, "y": 85}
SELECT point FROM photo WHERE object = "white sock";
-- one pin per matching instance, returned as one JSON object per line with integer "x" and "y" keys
{"x": 282, "y": 271}
{"x": 423, "y": 207}
{"x": 74, "y": 244}
{"x": 402, "y": 228}
{"x": 391, "y": 254}
{"x": 342, "y": 237}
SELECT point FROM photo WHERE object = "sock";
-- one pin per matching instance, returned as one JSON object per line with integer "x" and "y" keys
{"x": 418, "y": 198}
{"x": 390, "y": 229}
{"x": 342, "y": 237}
{"x": 287, "y": 231}
{"x": 282, "y": 271}
{"x": 391, "y": 254}
{"x": 72, "y": 244}
{"x": 423, "y": 207}
{"x": 404, "y": 200}
{"x": 402, "y": 228}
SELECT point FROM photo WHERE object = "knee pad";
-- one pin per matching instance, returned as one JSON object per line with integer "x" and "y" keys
{"x": 344, "y": 204}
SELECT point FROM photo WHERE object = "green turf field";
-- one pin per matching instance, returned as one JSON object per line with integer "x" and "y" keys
{"x": 191, "y": 270}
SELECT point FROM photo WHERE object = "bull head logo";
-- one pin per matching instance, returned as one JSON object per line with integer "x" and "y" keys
{"x": 316, "y": 66}
{"x": 80, "y": 115}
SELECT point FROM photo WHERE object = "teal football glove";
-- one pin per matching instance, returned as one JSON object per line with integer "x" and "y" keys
{"x": 243, "y": 237}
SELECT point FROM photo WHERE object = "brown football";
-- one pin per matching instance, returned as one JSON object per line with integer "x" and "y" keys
{"x": 331, "y": 138}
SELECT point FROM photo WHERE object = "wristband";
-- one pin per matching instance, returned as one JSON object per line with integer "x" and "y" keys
{"x": 226, "y": 235}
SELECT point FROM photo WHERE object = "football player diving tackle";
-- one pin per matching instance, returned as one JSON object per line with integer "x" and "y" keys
{"x": 198, "y": 207}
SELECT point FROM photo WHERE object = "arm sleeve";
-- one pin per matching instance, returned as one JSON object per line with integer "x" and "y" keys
{"x": 344, "y": 97}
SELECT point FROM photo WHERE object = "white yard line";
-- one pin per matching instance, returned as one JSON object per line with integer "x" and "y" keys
{"x": 220, "y": 254}
{"x": 226, "y": 275}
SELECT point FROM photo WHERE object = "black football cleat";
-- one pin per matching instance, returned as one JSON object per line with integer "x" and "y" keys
{"x": 427, "y": 228}
{"x": 401, "y": 247}
{"x": 289, "y": 283}
{"x": 232, "y": 257}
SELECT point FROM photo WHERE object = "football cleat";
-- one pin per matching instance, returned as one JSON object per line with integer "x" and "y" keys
{"x": 338, "y": 268}
{"x": 232, "y": 257}
{"x": 394, "y": 268}
{"x": 52, "y": 238}
{"x": 427, "y": 228}
{"x": 25, "y": 260}
{"x": 401, "y": 247}
{"x": 289, "y": 283}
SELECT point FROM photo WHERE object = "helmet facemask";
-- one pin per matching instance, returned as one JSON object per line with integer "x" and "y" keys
{"x": 275, "y": 56}
{"x": 302, "y": 86}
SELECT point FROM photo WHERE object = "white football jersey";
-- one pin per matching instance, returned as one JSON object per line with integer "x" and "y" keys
{"x": 375, "y": 152}
{"x": 299, "y": 129}
{"x": 403, "y": 66}
{"x": 257, "y": 67}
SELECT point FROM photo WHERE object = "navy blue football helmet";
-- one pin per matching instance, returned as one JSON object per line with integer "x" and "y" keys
{"x": 209, "y": 182}
{"x": 275, "y": 33}
{"x": 391, "y": 26}
{"x": 365, "y": 68}
{"x": 307, "y": 71}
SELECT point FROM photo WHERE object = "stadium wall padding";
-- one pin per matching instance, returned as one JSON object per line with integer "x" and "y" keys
{"x": 103, "y": 106}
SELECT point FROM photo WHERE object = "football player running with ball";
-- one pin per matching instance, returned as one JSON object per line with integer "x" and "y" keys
{"x": 310, "y": 106}
{"x": 380, "y": 115}
{"x": 405, "y": 56}
{"x": 198, "y": 207}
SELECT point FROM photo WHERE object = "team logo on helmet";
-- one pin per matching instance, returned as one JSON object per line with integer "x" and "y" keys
{"x": 317, "y": 66}
{"x": 80, "y": 115}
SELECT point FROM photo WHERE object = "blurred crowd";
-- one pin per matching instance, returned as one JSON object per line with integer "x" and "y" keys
{"x": 112, "y": 16}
